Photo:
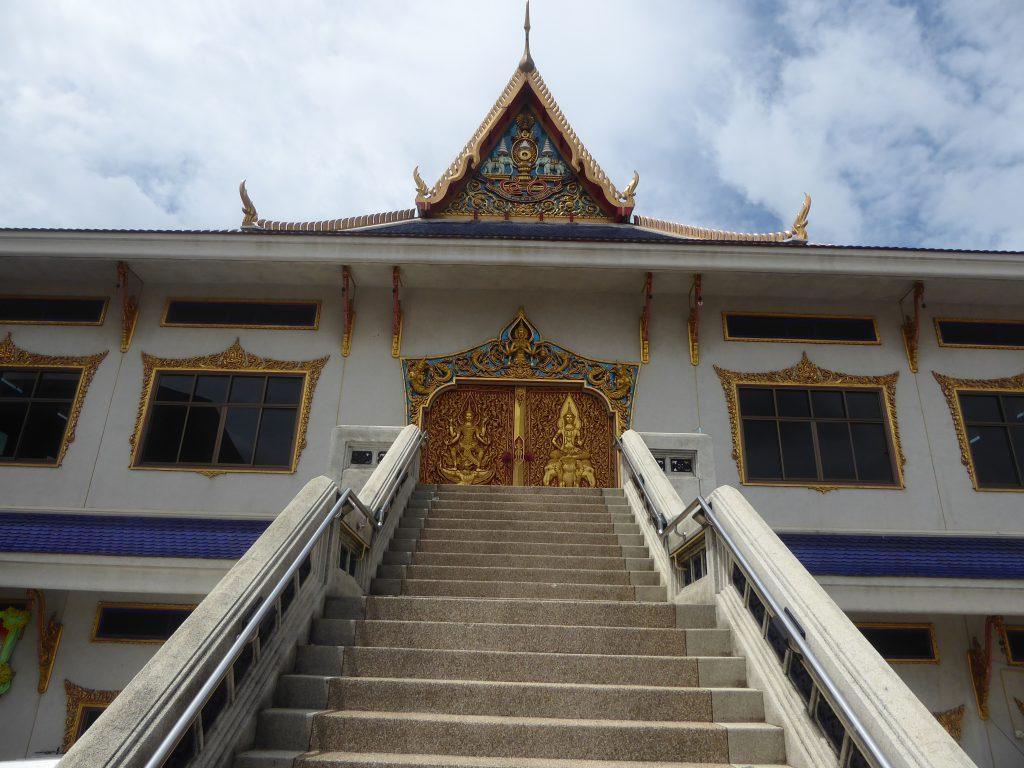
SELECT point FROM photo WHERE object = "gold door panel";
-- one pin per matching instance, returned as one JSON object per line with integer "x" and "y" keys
{"x": 568, "y": 439}
{"x": 470, "y": 432}
{"x": 519, "y": 435}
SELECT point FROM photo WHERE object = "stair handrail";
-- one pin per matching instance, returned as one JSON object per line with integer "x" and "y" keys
{"x": 376, "y": 510}
{"x": 702, "y": 513}
{"x": 701, "y": 528}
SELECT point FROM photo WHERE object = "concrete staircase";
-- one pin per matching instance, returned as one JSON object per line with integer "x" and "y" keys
{"x": 515, "y": 628}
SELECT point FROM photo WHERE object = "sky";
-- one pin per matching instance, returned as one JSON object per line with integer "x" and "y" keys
{"x": 904, "y": 121}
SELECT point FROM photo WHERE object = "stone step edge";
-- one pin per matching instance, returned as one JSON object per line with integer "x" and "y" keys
{"x": 468, "y": 761}
{"x": 623, "y": 687}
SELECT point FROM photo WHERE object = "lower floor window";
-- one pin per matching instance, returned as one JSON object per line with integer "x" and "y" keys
{"x": 231, "y": 420}
{"x": 801, "y": 435}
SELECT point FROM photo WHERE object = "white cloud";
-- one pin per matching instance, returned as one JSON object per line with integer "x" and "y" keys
{"x": 903, "y": 122}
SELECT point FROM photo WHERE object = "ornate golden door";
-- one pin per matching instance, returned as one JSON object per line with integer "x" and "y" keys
{"x": 519, "y": 435}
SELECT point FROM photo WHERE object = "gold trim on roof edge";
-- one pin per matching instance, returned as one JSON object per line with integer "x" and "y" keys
{"x": 581, "y": 160}
{"x": 796, "y": 233}
{"x": 806, "y": 373}
{"x": 251, "y": 219}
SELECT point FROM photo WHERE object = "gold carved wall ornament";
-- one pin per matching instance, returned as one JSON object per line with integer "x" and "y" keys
{"x": 569, "y": 464}
{"x": 234, "y": 359}
{"x": 48, "y": 640}
{"x": 695, "y": 300}
{"x": 129, "y": 287}
{"x": 79, "y": 702}
{"x": 951, "y": 389}
{"x": 953, "y": 721}
{"x": 911, "y": 327}
{"x": 520, "y": 354}
{"x": 13, "y": 356}
{"x": 806, "y": 373}
{"x": 979, "y": 663}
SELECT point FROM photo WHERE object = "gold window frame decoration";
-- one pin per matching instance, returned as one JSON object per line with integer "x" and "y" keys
{"x": 148, "y": 606}
{"x": 906, "y": 625}
{"x": 1004, "y": 631}
{"x": 164, "y": 323}
{"x": 78, "y": 699}
{"x": 728, "y": 337}
{"x": 952, "y": 387}
{"x": 807, "y": 374}
{"x": 953, "y": 345}
{"x": 13, "y": 356}
{"x": 235, "y": 359}
{"x": 96, "y": 323}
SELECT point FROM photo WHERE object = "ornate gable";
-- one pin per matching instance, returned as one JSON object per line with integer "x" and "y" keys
{"x": 525, "y": 161}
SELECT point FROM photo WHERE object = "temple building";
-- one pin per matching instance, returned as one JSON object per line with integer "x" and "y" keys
{"x": 164, "y": 395}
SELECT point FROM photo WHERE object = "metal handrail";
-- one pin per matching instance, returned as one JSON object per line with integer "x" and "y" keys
{"x": 704, "y": 516}
{"x": 374, "y": 511}
{"x": 658, "y": 517}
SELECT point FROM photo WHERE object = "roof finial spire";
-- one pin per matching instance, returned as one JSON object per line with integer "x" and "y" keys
{"x": 526, "y": 63}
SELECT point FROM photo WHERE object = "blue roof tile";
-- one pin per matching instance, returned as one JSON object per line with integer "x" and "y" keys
{"x": 128, "y": 536}
{"x": 951, "y": 557}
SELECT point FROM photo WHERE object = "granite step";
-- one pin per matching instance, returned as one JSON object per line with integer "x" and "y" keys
{"x": 519, "y": 666}
{"x": 554, "y": 700}
{"x": 533, "y": 537}
{"x": 491, "y": 736}
{"x": 516, "y": 589}
{"x": 554, "y": 612}
{"x": 516, "y": 548}
{"x": 567, "y": 575}
{"x": 554, "y": 526}
{"x": 544, "y": 638}
{"x": 379, "y": 760}
{"x": 524, "y": 561}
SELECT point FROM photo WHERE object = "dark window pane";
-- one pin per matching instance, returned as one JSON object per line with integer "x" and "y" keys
{"x": 793, "y": 402}
{"x": 242, "y": 313}
{"x": 211, "y": 389}
{"x": 828, "y": 404}
{"x": 864, "y": 405}
{"x": 871, "y": 449}
{"x": 12, "y": 416}
{"x": 980, "y": 407}
{"x": 1013, "y": 408}
{"x": 174, "y": 387}
{"x": 43, "y": 309}
{"x": 1015, "y": 640}
{"x": 17, "y": 383}
{"x": 126, "y": 622}
{"x": 797, "y": 449}
{"x": 756, "y": 402}
{"x": 901, "y": 643}
{"x": 981, "y": 333}
{"x": 44, "y": 430}
{"x": 1017, "y": 438}
{"x": 247, "y": 389}
{"x": 836, "y": 451}
{"x": 163, "y": 436}
{"x": 58, "y": 384}
{"x": 90, "y": 714}
{"x": 990, "y": 448}
{"x": 822, "y": 328}
{"x": 200, "y": 435}
{"x": 277, "y": 428}
{"x": 284, "y": 390}
{"x": 239, "y": 436}
{"x": 761, "y": 443}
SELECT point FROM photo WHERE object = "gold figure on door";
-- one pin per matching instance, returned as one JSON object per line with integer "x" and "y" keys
{"x": 569, "y": 465}
{"x": 464, "y": 458}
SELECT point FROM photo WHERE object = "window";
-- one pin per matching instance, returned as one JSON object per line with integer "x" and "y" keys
{"x": 804, "y": 435}
{"x": 903, "y": 643}
{"x": 35, "y": 409}
{"x": 52, "y": 310}
{"x": 137, "y": 622}
{"x": 819, "y": 329}
{"x": 229, "y": 420}
{"x": 212, "y": 313}
{"x": 1013, "y": 642}
{"x": 998, "y": 334}
{"x": 994, "y": 425}
{"x": 84, "y": 706}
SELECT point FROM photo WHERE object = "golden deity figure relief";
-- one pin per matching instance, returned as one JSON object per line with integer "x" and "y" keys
{"x": 569, "y": 465}
{"x": 521, "y": 350}
{"x": 464, "y": 461}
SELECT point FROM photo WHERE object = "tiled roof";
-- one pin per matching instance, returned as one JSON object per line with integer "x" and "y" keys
{"x": 518, "y": 230}
{"x": 128, "y": 536}
{"x": 950, "y": 557}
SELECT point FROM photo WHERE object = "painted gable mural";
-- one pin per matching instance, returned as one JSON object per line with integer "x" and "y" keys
{"x": 525, "y": 176}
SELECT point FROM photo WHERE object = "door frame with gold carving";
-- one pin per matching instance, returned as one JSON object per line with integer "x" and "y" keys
{"x": 520, "y": 357}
